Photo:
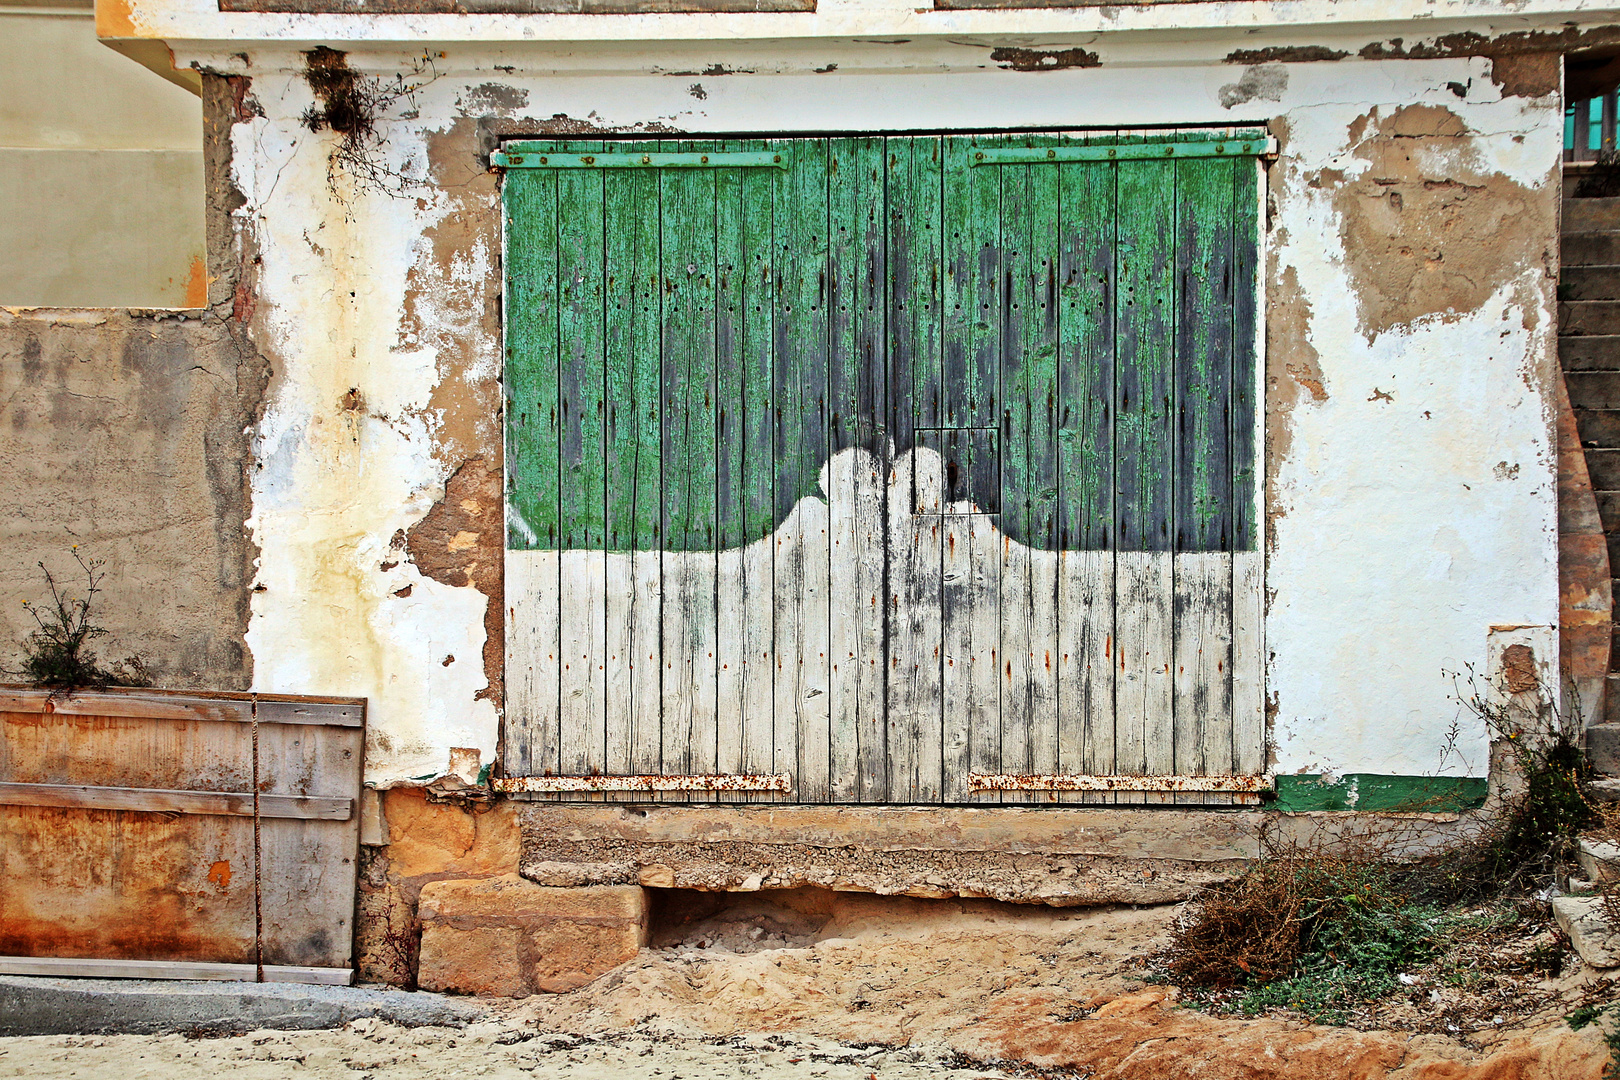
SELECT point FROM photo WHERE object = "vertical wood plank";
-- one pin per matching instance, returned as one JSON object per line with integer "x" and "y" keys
{"x": 971, "y": 399}
{"x": 854, "y": 484}
{"x": 1144, "y": 446}
{"x": 687, "y": 200}
{"x": 635, "y": 468}
{"x": 915, "y": 723}
{"x": 759, "y": 465}
{"x": 802, "y": 568}
{"x": 1013, "y": 316}
{"x": 730, "y": 469}
{"x": 533, "y": 664}
{"x": 1202, "y": 489}
{"x": 581, "y": 467}
{"x": 1086, "y": 527}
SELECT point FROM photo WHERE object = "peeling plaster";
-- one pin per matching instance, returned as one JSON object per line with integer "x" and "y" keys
{"x": 1392, "y": 544}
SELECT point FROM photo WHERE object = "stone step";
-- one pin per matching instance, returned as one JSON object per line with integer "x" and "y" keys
{"x": 1589, "y": 283}
{"x": 1595, "y": 353}
{"x": 1604, "y": 791}
{"x": 1599, "y": 859}
{"x": 1604, "y": 467}
{"x": 1590, "y": 249}
{"x": 1583, "y": 919}
{"x": 1589, "y": 318}
{"x": 1609, "y": 511}
{"x": 1599, "y": 428}
{"x": 1591, "y": 215}
{"x": 1593, "y": 389}
{"x": 1603, "y": 740}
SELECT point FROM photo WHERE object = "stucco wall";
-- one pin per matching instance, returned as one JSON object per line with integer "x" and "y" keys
{"x": 1412, "y": 249}
{"x": 101, "y": 171}
{"x": 122, "y": 433}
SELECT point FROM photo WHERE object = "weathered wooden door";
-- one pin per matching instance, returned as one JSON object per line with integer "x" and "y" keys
{"x": 883, "y": 469}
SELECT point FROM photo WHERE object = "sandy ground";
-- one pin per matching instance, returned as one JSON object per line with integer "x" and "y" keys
{"x": 811, "y": 984}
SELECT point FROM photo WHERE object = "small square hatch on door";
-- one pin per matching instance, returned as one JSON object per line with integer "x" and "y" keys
{"x": 961, "y": 476}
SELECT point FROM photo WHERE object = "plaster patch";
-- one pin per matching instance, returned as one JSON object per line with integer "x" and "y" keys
{"x": 1263, "y": 82}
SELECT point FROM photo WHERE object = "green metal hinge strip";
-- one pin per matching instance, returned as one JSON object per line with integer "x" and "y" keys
{"x": 1058, "y": 155}
{"x": 528, "y": 159}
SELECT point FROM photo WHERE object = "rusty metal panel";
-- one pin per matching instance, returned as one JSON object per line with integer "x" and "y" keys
{"x": 542, "y": 784}
{"x": 90, "y": 875}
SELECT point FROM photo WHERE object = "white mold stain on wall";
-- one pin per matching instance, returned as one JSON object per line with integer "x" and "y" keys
{"x": 1410, "y": 462}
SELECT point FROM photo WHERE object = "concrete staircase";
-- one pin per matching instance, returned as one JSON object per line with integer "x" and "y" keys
{"x": 1589, "y": 482}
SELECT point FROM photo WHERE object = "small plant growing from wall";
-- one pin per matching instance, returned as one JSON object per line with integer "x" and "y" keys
{"x": 57, "y": 654}
{"x": 351, "y": 104}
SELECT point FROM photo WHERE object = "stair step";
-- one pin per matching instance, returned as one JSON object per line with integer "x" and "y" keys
{"x": 1595, "y": 353}
{"x": 1589, "y": 317}
{"x": 1591, "y": 215}
{"x": 1589, "y": 283}
{"x": 1603, "y": 742}
{"x": 1590, "y": 249}
{"x": 1599, "y": 428}
{"x": 1609, "y": 510}
{"x": 1593, "y": 389}
{"x": 1604, "y": 467}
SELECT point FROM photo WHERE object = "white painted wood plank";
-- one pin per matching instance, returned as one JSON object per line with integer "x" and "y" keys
{"x": 1043, "y": 662}
{"x": 813, "y": 783}
{"x": 582, "y": 707}
{"x": 871, "y": 536}
{"x": 1085, "y": 630}
{"x": 1248, "y": 663}
{"x": 788, "y": 573}
{"x": 1144, "y": 689}
{"x": 759, "y": 666}
{"x": 971, "y": 640}
{"x": 839, "y": 480}
{"x": 689, "y": 655}
{"x": 1203, "y": 663}
{"x": 73, "y": 968}
{"x": 533, "y": 661}
{"x": 916, "y": 725}
{"x": 618, "y": 661}
{"x": 646, "y": 664}
{"x": 1016, "y": 668}
{"x": 731, "y": 615}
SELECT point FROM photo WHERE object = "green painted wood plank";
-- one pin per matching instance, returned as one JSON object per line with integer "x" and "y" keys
{"x": 801, "y": 568}
{"x": 757, "y": 284}
{"x": 531, "y": 363}
{"x": 1204, "y": 355}
{"x": 530, "y": 203}
{"x": 581, "y": 464}
{"x": 690, "y": 277}
{"x": 915, "y": 731}
{"x": 854, "y": 476}
{"x": 1245, "y": 352}
{"x": 635, "y": 468}
{"x": 1145, "y": 344}
{"x": 972, "y": 209}
{"x": 1373, "y": 792}
{"x": 731, "y": 265}
{"x": 1086, "y": 290}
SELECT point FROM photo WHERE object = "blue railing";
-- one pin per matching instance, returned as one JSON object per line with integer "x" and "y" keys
{"x": 1589, "y": 127}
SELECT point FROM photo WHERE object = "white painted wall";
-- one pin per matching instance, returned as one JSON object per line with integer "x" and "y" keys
{"x": 1401, "y": 540}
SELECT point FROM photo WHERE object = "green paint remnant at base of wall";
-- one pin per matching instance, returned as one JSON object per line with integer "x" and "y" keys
{"x": 1371, "y": 791}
